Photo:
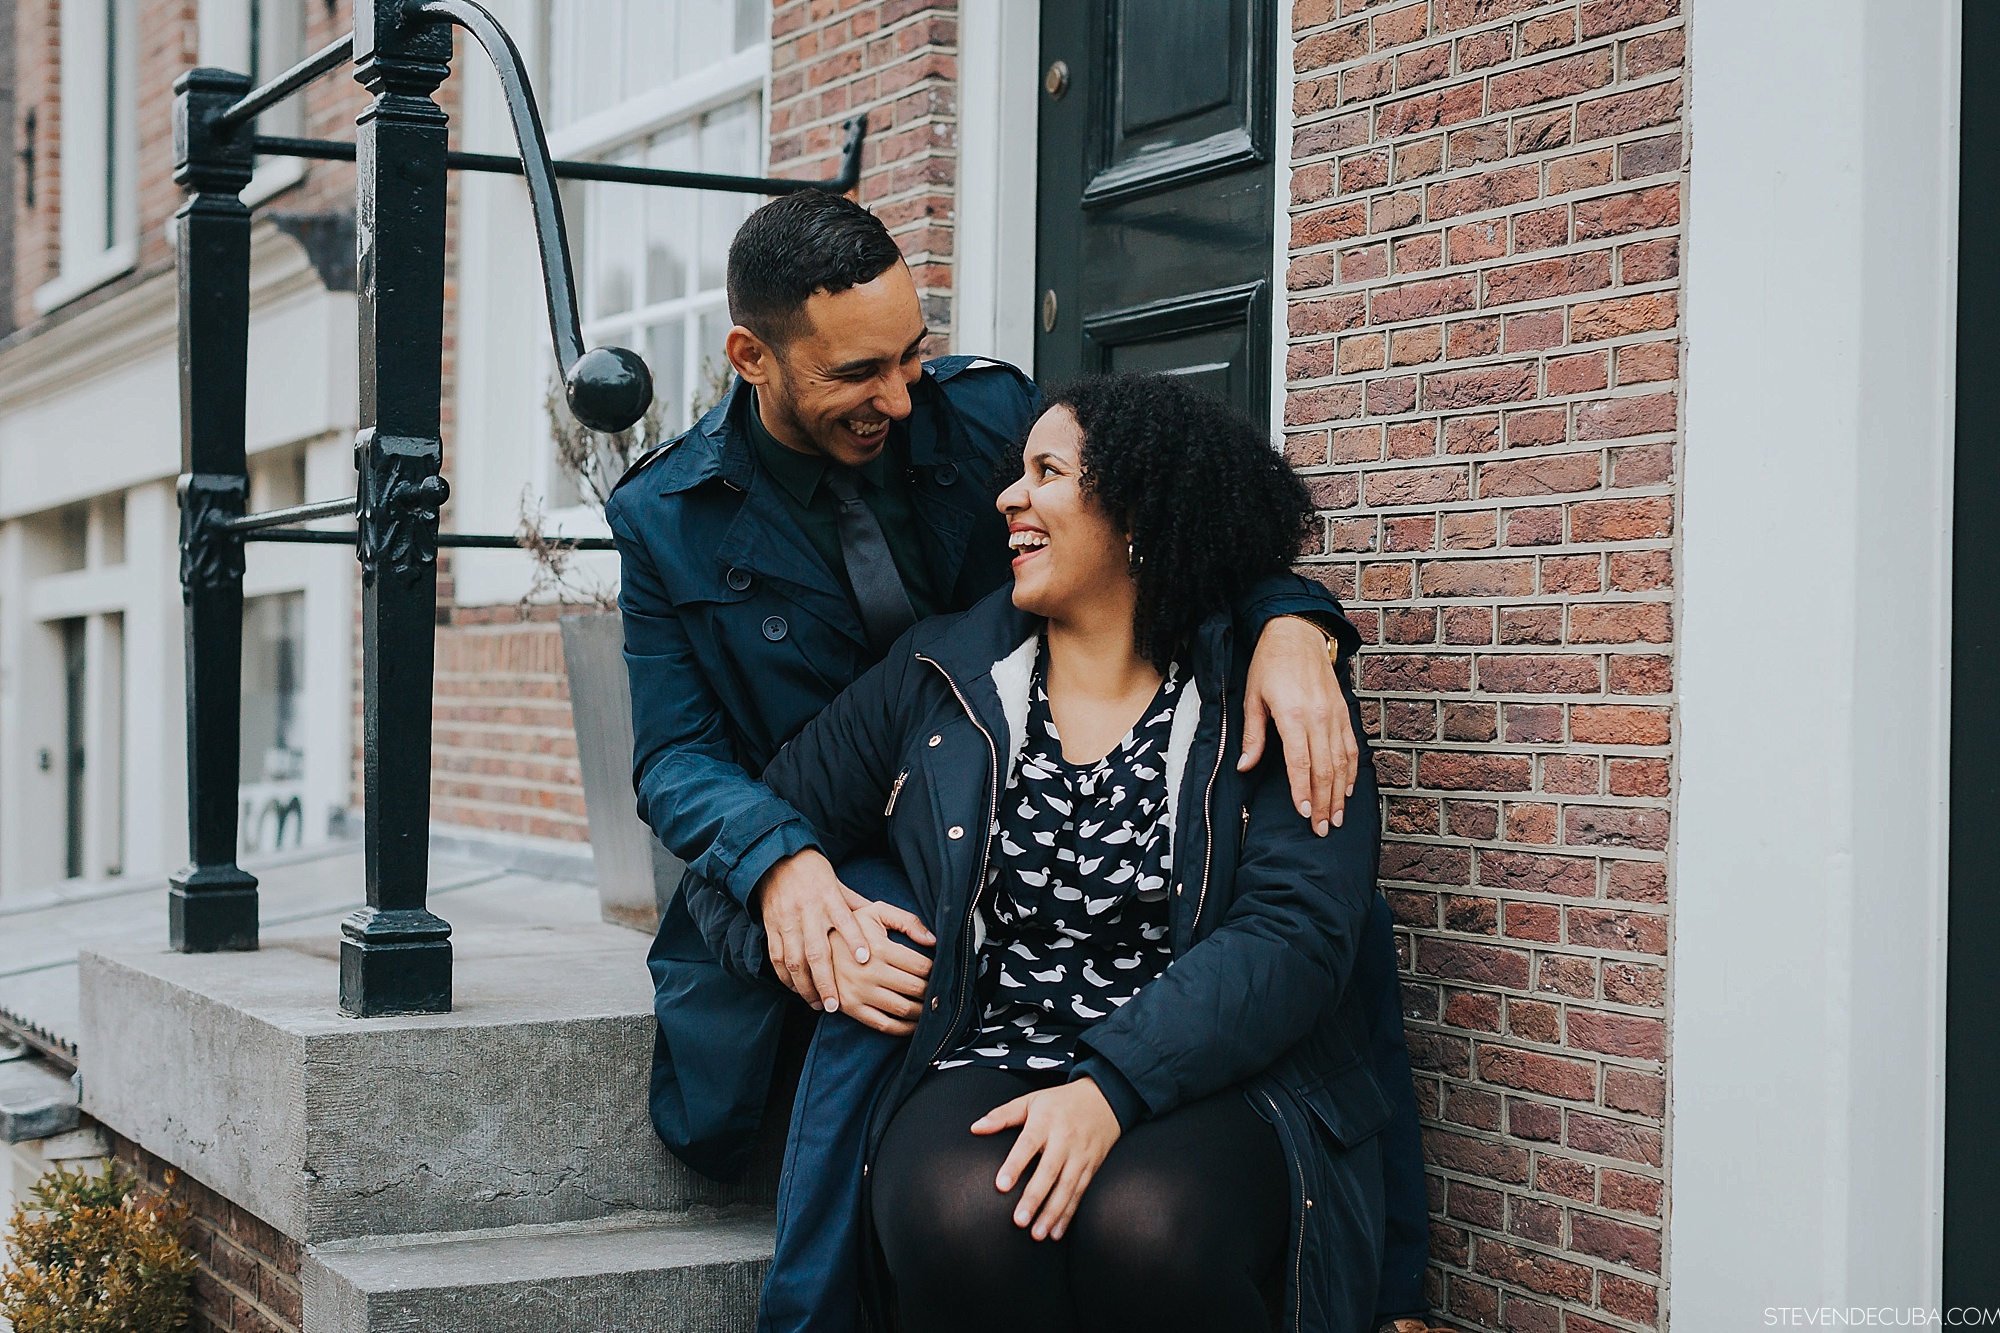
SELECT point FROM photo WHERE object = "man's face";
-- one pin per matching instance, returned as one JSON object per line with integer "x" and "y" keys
{"x": 834, "y": 389}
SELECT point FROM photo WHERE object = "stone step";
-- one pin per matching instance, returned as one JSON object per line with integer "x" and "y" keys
{"x": 695, "y": 1272}
{"x": 526, "y": 1105}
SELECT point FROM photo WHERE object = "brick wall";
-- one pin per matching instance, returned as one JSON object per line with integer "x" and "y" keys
{"x": 503, "y": 747}
{"x": 1484, "y": 360}
{"x": 898, "y": 61}
{"x": 248, "y": 1275}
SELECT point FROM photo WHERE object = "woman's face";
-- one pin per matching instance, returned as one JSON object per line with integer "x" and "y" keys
{"x": 1067, "y": 550}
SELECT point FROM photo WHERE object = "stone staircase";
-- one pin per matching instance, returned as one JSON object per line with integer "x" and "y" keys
{"x": 490, "y": 1169}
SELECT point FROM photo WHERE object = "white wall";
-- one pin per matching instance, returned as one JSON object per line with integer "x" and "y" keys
{"x": 1809, "y": 855}
{"x": 993, "y": 267}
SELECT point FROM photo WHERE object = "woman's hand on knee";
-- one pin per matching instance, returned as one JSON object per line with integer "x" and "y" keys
{"x": 1071, "y": 1128}
{"x": 886, "y": 992}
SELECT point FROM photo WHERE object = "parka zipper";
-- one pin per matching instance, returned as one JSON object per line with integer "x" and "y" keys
{"x": 985, "y": 850}
{"x": 1298, "y": 1173}
{"x": 897, "y": 790}
{"x": 1208, "y": 815}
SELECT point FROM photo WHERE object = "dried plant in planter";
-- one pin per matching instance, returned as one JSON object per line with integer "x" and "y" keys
{"x": 95, "y": 1254}
{"x": 593, "y": 461}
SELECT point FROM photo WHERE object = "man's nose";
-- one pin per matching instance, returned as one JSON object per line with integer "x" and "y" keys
{"x": 893, "y": 398}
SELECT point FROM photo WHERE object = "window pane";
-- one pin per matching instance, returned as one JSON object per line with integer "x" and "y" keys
{"x": 669, "y": 217}
{"x": 611, "y": 257}
{"x": 753, "y": 22}
{"x": 707, "y": 34}
{"x": 728, "y": 145}
{"x": 647, "y": 46}
{"x": 712, "y": 372}
{"x": 584, "y": 37}
{"x": 665, "y": 354}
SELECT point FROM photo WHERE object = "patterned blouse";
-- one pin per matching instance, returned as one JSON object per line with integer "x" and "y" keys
{"x": 1076, "y": 910}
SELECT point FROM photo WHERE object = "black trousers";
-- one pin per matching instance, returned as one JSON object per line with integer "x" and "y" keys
{"x": 1181, "y": 1228}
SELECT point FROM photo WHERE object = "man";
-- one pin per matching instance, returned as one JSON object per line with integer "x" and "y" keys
{"x": 770, "y": 555}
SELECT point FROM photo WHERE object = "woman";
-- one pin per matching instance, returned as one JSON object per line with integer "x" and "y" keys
{"x": 1136, "y": 1095}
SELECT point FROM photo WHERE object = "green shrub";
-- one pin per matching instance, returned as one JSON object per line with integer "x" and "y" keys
{"x": 95, "y": 1254}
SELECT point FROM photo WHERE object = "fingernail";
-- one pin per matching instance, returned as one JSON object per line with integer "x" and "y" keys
{"x": 833, "y": 1006}
{"x": 1338, "y": 815}
{"x": 1323, "y": 827}
{"x": 860, "y": 955}
{"x": 1305, "y": 808}
{"x": 1004, "y": 1184}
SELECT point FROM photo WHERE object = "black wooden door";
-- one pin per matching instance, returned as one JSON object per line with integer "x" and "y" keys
{"x": 1154, "y": 204}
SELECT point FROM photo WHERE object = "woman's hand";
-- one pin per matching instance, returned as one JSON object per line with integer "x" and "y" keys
{"x": 886, "y": 992}
{"x": 1072, "y": 1127}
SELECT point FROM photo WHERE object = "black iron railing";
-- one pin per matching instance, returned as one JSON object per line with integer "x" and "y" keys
{"x": 395, "y": 953}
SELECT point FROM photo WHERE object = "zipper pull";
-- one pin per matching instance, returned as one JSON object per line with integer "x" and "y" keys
{"x": 1243, "y": 833}
{"x": 897, "y": 790}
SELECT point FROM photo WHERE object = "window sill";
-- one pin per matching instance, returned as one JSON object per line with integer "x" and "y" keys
{"x": 273, "y": 176}
{"x": 94, "y": 273}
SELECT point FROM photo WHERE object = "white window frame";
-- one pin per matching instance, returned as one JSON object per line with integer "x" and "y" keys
{"x": 224, "y": 41}
{"x": 98, "y": 181}
{"x": 605, "y": 132}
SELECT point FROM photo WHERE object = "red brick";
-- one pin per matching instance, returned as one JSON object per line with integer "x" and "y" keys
{"x": 1636, "y": 882}
{"x": 1472, "y": 1011}
{"x": 1571, "y": 775}
{"x": 1461, "y": 961}
{"x": 1621, "y": 622}
{"x": 1428, "y": 863}
{"x": 1547, "y": 33}
{"x": 1562, "y": 1176}
{"x": 1586, "y": 373}
{"x": 1627, "y": 932}
{"x": 1539, "y": 426}
{"x": 1335, "y": 47}
{"x": 1476, "y": 820}
{"x": 1635, "y": 1091}
{"x": 1534, "y": 1020}
{"x": 1614, "y": 1138}
{"x": 1560, "y": 974}
{"x": 1627, "y": 1299}
{"x": 1561, "y": 474}
{"x": 1600, "y": 17}
{"x": 1615, "y": 826}
{"x": 1485, "y": 49}
{"x": 1532, "y": 1219}
{"x": 1617, "y": 214}
{"x": 1459, "y": 770}
{"x": 1469, "y": 722}
{"x": 1415, "y": 672}
{"x": 1629, "y": 1193}
{"x": 1580, "y": 172}
{"x": 1419, "y": 300}
{"x": 1472, "y": 435}
{"x": 1533, "y": 921}
{"x": 1569, "y": 876}
{"x": 1615, "y": 1242}
{"x": 1540, "y": 279}
{"x": 1537, "y": 1272}
{"x": 1478, "y": 578}
{"x": 1620, "y": 724}
{"x": 1530, "y": 822}
{"x": 1428, "y": 111}
{"x": 1531, "y": 624}
{"x": 1490, "y": 190}
{"x": 1471, "y": 1156}
{"x": 1639, "y": 777}
{"x": 1530, "y": 673}
{"x": 1456, "y": 14}
{"x": 1468, "y": 624}
{"x": 1476, "y": 1205}
{"x": 1593, "y": 320}
{"x": 1650, "y": 261}
{"x": 1622, "y": 113}
{"x": 1621, "y": 520}
{"x": 1618, "y": 1034}
{"x": 1549, "y": 81}
{"x": 1480, "y": 387}
{"x": 1543, "y": 229}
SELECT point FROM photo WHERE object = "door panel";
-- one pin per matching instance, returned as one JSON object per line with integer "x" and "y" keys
{"x": 1154, "y": 209}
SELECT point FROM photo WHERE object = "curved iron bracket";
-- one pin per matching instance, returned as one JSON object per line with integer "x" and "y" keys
{"x": 609, "y": 388}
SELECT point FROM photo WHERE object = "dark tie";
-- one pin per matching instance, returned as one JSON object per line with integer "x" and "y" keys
{"x": 878, "y": 589}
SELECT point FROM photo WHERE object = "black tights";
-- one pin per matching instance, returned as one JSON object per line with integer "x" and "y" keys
{"x": 1181, "y": 1228}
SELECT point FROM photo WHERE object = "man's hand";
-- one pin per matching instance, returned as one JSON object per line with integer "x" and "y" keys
{"x": 1072, "y": 1127}
{"x": 1293, "y": 684}
{"x": 886, "y": 992}
{"x": 804, "y": 906}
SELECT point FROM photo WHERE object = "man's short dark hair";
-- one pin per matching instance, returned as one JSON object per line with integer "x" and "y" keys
{"x": 794, "y": 246}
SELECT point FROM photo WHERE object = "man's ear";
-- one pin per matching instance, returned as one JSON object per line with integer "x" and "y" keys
{"x": 750, "y": 356}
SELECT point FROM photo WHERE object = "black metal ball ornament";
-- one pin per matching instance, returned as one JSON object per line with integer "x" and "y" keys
{"x": 609, "y": 388}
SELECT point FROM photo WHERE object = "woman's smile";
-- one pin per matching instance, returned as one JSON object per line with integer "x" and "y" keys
{"x": 1026, "y": 542}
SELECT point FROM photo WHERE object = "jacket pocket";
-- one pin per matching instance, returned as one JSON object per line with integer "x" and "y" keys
{"x": 1348, "y": 1104}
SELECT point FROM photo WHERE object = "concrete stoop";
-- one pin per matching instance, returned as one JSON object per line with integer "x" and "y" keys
{"x": 492, "y": 1168}
{"x": 633, "y": 1273}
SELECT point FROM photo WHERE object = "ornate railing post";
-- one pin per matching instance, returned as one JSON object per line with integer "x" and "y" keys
{"x": 395, "y": 955}
{"x": 212, "y": 903}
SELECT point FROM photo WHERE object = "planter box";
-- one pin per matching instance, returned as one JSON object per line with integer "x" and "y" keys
{"x": 636, "y": 876}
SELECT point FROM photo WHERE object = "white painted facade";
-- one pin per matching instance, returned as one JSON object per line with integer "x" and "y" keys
{"x": 89, "y": 454}
{"x": 1806, "y": 1112}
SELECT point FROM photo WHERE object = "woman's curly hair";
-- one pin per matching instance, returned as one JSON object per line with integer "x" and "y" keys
{"x": 1210, "y": 504}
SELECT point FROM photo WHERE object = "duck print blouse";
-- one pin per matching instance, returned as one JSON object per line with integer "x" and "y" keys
{"x": 1076, "y": 910}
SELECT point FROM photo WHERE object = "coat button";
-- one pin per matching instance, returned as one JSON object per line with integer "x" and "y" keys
{"x": 934, "y": 1002}
{"x": 738, "y": 579}
{"x": 955, "y": 832}
{"x": 934, "y": 740}
{"x": 774, "y": 628}
{"x": 947, "y": 474}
